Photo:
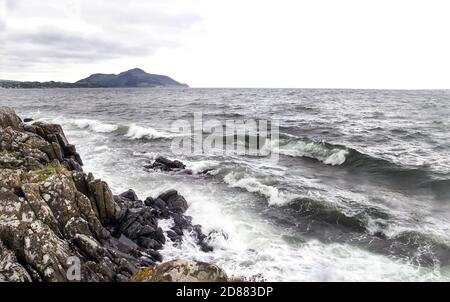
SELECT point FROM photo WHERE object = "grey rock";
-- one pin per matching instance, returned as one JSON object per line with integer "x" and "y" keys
{"x": 164, "y": 164}
{"x": 50, "y": 211}
{"x": 181, "y": 271}
{"x": 9, "y": 119}
{"x": 130, "y": 195}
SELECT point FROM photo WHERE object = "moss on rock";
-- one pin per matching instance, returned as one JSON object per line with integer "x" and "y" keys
{"x": 181, "y": 271}
{"x": 42, "y": 174}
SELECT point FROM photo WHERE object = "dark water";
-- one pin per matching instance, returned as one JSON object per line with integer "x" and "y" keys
{"x": 361, "y": 190}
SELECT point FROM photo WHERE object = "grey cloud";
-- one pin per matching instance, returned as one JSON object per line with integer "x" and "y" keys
{"x": 106, "y": 31}
{"x": 48, "y": 44}
{"x": 12, "y": 4}
{"x": 2, "y": 26}
{"x": 142, "y": 13}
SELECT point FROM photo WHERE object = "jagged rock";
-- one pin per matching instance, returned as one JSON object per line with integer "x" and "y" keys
{"x": 31, "y": 239}
{"x": 140, "y": 223}
{"x": 51, "y": 211}
{"x": 202, "y": 239}
{"x": 62, "y": 150}
{"x": 164, "y": 164}
{"x": 181, "y": 271}
{"x": 175, "y": 237}
{"x": 171, "y": 204}
{"x": 10, "y": 269}
{"x": 168, "y": 203}
{"x": 174, "y": 201}
{"x": 8, "y": 118}
{"x": 104, "y": 203}
{"x": 160, "y": 207}
{"x": 149, "y": 243}
{"x": 130, "y": 195}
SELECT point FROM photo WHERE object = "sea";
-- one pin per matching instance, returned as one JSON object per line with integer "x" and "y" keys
{"x": 359, "y": 190}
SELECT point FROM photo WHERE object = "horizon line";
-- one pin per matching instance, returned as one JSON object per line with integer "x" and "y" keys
{"x": 225, "y": 87}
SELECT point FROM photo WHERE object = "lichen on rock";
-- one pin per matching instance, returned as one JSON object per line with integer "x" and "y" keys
{"x": 181, "y": 271}
{"x": 51, "y": 211}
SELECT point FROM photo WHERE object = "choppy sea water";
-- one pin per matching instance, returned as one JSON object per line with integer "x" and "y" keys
{"x": 361, "y": 191}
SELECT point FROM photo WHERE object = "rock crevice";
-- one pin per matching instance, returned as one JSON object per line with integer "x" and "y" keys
{"x": 51, "y": 211}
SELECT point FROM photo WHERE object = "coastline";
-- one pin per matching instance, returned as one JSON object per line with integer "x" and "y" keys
{"x": 57, "y": 221}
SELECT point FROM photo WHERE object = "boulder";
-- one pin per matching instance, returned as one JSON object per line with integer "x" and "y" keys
{"x": 174, "y": 201}
{"x": 164, "y": 164}
{"x": 130, "y": 195}
{"x": 8, "y": 118}
{"x": 181, "y": 271}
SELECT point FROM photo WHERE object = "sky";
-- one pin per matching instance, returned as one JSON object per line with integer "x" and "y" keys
{"x": 383, "y": 44}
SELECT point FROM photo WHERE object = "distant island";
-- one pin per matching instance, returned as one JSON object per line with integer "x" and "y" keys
{"x": 132, "y": 78}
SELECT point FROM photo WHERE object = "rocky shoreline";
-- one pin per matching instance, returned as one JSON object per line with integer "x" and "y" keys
{"x": 51, "y": 212}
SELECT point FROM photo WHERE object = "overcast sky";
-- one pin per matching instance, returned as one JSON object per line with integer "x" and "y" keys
{"x": 231, "y": 43}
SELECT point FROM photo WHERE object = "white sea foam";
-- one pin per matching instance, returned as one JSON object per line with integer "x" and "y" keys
{"x": 252, "y": 185}
{"x": 319, "y": 151}
{"x": 166, "y": 224}
{"x": 200, "y": 166}
{"x": 255, "y": 247}
{"x": 103, "y": 148}
{"x": 149, "y": 155}
{"x": 252, "y": 245}
{"x": 337, "y": 158}
{"x": 139, "y": 132}
{"x": 94, "y": 125}
{"x": 134, "y": 131}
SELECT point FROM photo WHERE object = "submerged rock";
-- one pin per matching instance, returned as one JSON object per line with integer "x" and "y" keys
{"x": 51, "y": 212}
{"x": 172, "y": 205}
{"x": 166, "y": 165}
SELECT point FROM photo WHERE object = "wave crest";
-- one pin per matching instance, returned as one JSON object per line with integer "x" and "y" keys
{"x": 252, "y": 185}
{"x": 138, "y": 132}
{"x": 131, "y": 131}
{"x": 95, "y": 126}
{"x": 326, "y": 153}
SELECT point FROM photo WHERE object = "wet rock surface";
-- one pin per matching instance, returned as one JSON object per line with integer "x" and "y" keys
{"x": 51, "y": 211}
{"x": 175, "y": 166}
{"x": 171, "y": 205}
{"x": 164, "y": 164}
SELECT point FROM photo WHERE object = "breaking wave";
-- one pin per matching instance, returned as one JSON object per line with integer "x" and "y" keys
{"x": 95, "y": 126}
{"x": 202, "y": 166}
{"x": 331, "y": 213}
{"x": 130, "y": 131}
{"x": 326, "y": 153}
{"x": 138, "y": 132}
{"x": 273, "y": 195}
{"x": 339, "y": 155}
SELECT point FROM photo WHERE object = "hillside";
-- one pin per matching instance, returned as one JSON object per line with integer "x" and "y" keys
{"x": 132, "y": 78}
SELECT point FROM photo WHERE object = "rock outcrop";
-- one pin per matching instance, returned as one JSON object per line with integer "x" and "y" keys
{"x": 52, "y": 213}
{"x": 166, "y": 165}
